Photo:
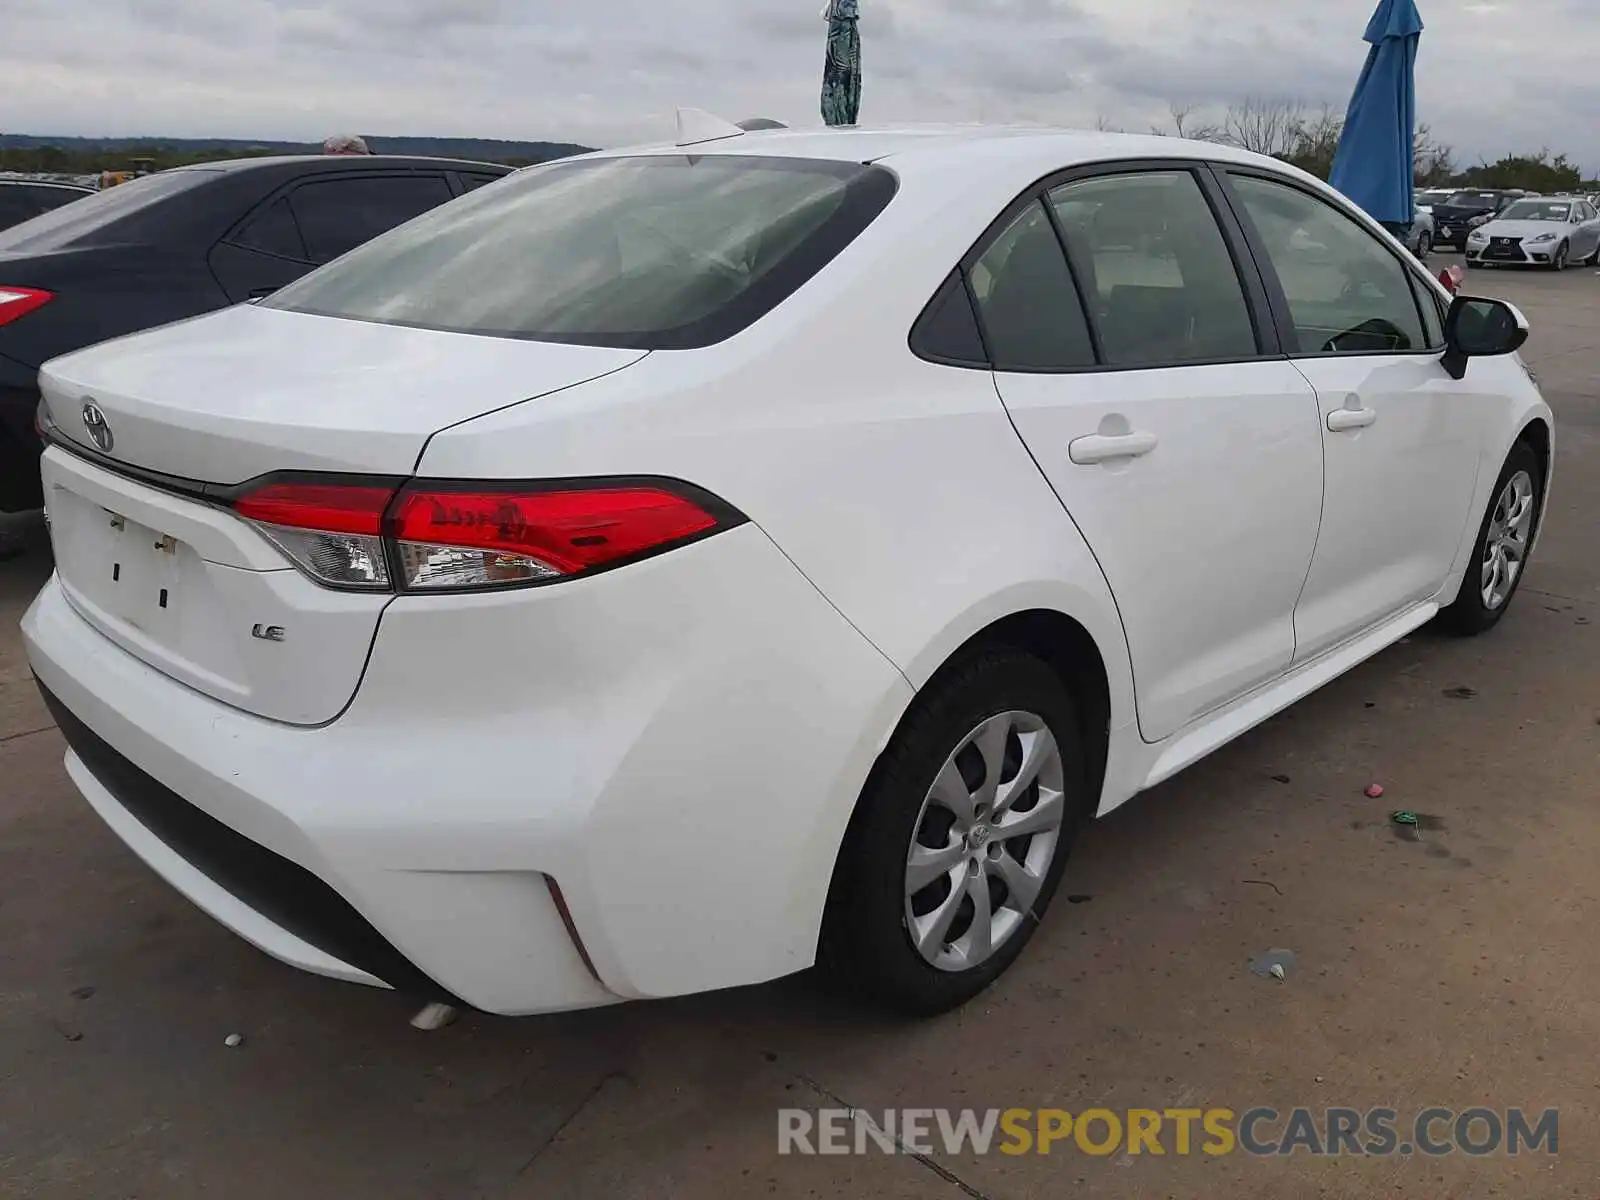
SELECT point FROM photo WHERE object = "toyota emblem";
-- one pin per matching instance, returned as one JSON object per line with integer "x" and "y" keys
{"x": 99, "y": 432}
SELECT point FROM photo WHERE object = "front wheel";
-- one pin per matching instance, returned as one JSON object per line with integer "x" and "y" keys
{"x": 1424, "y": 246}
{"x": 1500, "y": 555}
{"x": 1559, "y": 262}
{"x": 960, "y": 836}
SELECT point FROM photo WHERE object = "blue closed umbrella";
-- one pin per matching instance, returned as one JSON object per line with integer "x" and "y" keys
{"x": 841, "y": 73}
{"x": 1374, "y": 163}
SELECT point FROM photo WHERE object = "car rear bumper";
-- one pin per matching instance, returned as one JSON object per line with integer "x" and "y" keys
{"x": 264, "y": 897}
{"x": 684, "y": 777}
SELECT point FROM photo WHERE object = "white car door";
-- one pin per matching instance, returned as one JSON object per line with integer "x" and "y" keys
{"x": 1401, "y": 438}
{"x": 1186, "y": 453}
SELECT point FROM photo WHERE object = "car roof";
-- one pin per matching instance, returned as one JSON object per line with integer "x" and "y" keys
{"x": 195, "y": 205}
{"x": 928, "y": 143}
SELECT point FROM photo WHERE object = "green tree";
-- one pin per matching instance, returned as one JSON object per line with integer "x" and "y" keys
{"x": 1540, "y": 172}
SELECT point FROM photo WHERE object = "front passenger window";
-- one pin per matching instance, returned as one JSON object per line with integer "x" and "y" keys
{"x": 1347, "y": 293}
{"x": 1032, "y": 317}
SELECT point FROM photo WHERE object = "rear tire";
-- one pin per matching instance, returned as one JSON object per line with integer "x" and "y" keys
{"x": 1506, "y": 536}
{"x": 1424, "y": 247}
{"x": 903, "y": 942}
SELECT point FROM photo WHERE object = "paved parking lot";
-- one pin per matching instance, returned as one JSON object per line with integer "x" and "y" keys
{"x": 1457, "y": 970}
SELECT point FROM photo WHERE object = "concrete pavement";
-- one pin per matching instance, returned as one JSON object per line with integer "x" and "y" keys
{"x": 1457, "y": 970}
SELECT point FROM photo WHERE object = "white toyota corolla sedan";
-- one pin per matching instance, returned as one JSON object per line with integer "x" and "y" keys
{"x": 667, "y": 569}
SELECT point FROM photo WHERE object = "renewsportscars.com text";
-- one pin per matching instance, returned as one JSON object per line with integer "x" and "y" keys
{"x": 1098, "y": 1132}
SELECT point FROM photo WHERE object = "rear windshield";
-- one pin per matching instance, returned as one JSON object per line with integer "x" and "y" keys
{"x": 657, "y": 252}
{"x": 71, "y": 222}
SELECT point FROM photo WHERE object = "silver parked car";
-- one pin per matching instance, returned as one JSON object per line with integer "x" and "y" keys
{"x": 1551, "y": 231}
{"x": 1420, "y": 240}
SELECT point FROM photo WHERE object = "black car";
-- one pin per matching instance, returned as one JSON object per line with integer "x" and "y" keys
{"x": 179, "y": 243}
{"x": 1464, "y": 211}
{"x": 24, "y": 199}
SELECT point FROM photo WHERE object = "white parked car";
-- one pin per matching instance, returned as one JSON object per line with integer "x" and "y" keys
{"x": 1552, "y": 232}
{"x": 670, "y": 567}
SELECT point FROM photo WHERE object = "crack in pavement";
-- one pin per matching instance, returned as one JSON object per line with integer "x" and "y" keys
{"x": 570, "y": 1118}
{"x": 11, "y": 737}
{"x": 927, "y": 1160}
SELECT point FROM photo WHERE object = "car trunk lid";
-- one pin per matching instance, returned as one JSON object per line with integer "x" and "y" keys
{"x": 243, "y": 392}
{"x": 148, "y": 551}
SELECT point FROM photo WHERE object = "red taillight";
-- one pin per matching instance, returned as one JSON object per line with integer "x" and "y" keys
{"x": 449, "y": 537}
{"x": 331, "y": 531}
{"x": 329, "y": 507}
{"x": 564, "y": 531}
{"x": 20, "y": 301}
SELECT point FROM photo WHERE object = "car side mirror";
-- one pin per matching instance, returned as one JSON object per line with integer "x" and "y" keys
{"x": 1478, "y": 327}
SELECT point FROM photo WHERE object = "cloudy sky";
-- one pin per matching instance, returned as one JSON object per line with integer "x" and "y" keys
{"x": 1494, "y": 75}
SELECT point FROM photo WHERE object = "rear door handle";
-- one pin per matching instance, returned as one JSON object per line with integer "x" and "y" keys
{"x": 1102, "y": 448}
{"x": 1342, "y": 420}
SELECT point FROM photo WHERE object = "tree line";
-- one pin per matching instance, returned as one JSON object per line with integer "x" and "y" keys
{"x": 1309, "y": 137}
{"x": 1285, "y": 129}
{"x": 87, "y": 158}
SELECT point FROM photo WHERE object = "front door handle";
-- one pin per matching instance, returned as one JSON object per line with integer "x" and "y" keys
{"x": 1102, "y": 448}
{"x": 1342, "y": 420}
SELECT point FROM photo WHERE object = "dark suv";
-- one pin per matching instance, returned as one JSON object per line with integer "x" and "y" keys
{"x": 180, "y": 243}
{"x": 1464, "y": 211}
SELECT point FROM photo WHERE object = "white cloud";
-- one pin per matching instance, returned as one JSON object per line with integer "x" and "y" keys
{"x": 1491, "y": 77}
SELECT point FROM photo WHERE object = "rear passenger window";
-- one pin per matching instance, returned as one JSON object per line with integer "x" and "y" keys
{"x": 1032, "y": 317}
{"x": 337, "y": 215}
{"x": 1151, "y": 259}
{"x": 947, "y": 331}
{"x": 272, "y": 231}
{"x": 1347, "y": 293}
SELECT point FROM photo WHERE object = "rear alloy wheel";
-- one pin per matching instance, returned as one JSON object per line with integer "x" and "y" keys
{"x": 960, "y": 837}
{"x": 1424, "y": 245}
{"x": 984, "y": 841}
{"x": 1500, "y": 556}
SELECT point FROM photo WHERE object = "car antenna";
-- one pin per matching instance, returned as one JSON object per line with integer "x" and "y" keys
{"x": 695, "y": 126}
